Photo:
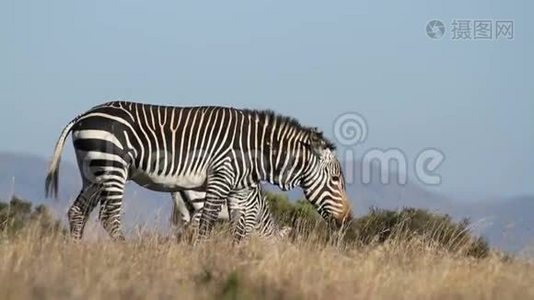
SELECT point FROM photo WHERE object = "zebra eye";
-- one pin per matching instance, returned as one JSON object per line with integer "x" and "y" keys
{"x": 335, "y": 178}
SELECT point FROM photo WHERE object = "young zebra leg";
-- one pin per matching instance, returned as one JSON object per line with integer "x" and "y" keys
{"x": 81, "y": 209}
{"x": 245, "y": 224}
{"x": 181, "y": 212}
{"x": 217, "y": 191}
{"x": 265, "y": 224}
{"x": 241, "y": 209}
{"x": 110, "y": 208}
{"x": 248, "y": 208}
{"x": 187, "y": 208}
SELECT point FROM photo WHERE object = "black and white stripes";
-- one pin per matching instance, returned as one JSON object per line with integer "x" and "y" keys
{"x": 248, "y": 209}
{"x": 220, "y": 150}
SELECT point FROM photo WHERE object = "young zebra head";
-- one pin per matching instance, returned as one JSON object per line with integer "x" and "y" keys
{"x": 323, "y": 182}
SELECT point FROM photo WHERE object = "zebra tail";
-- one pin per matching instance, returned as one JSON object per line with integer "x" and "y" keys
{"x": 51, "y": 184}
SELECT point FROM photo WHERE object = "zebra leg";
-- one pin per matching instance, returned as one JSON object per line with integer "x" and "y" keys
{"x": 81, "y": 209}
{"x": 245, "y": 224}
{"x": 264, "y": 222}
{"x": 248, "y": 212}
{"x": 181, "y": 213}
{"x": 195, "y": 206}
{"x": 110, "y": 208}
{"x": 217, "y": 191}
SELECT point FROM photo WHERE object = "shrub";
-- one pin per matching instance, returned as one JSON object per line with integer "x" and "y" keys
{"x": 286, "y": 212}
{"x": 18, "y": 214}
{"x": 438, "y": 230}
{"x": 381, "y": 226}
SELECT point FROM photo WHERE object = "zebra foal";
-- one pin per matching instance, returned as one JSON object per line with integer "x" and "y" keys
{"x": 254, "y": 213}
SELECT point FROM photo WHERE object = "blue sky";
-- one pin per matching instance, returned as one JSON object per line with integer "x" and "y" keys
{"x": 315, "y": 60}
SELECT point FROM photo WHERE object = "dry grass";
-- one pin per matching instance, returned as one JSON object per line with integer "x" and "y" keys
{"x": 150, "y": 267}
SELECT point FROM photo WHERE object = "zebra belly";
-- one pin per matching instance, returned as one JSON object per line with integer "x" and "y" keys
{"x": 161, "y": 183}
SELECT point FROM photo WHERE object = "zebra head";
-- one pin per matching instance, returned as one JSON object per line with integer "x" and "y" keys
{"x": 284, "y": 232}
{"x": 323, "y": 183}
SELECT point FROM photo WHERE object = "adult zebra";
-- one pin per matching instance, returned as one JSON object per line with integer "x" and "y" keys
{"x": 168, "y": 149}
{"x": 254, "y": 213}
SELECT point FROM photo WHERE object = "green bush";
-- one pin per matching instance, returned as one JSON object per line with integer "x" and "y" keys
{"x": 18, "y": 214}
{"x": 381, "y": 226}
{"x": 439, "y": 230}
{"x": 286, "y": 212}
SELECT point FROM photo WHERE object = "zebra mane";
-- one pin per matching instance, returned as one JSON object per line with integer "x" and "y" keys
{"x": 291, "y": 121}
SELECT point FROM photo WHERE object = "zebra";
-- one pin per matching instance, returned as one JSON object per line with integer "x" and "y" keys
{"x": 188, "y": 204}
{"x": 170, "y": 148}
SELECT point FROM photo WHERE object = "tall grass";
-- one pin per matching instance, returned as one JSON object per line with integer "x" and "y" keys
{"x": 36, "y": 265}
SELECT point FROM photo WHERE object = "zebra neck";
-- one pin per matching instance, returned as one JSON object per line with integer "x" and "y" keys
{"x": 284, "y": 169}
{"x": 284, "y": 147}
